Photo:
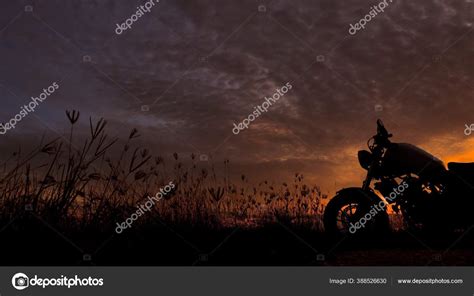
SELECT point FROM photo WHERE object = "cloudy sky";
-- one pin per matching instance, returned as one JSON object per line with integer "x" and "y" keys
{"x": 202, "y": 65}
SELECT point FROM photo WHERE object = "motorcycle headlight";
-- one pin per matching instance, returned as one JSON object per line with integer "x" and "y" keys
{"x": 365, "y": 158}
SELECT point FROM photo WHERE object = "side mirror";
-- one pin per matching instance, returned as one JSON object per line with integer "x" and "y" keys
{"x": 380, "y": 123}
{"x": 381, "y": 130}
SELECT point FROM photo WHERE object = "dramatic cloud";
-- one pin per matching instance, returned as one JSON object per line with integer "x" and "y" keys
{"x": 200, "y": 66}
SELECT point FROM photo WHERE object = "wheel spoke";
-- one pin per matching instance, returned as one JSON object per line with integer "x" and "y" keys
{"x": 347, "y": 214}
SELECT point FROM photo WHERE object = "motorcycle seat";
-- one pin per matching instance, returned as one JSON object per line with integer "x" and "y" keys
{"x": 462, "y": 168}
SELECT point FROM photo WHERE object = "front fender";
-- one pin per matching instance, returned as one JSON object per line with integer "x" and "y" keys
{"x": 368, "y": 194}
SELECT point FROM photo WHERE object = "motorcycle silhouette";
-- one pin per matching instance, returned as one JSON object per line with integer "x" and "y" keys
{"x": 408, "y": 180}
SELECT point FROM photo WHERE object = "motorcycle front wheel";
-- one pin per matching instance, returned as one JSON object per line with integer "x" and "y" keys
{"x": 353, "y": 212}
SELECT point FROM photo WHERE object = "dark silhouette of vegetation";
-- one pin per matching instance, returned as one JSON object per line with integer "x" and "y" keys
{"x": 79, "y": 185}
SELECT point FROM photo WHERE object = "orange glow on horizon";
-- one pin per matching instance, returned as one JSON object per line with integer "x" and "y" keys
{"x": 465, "y": 156}
{"x": 465, "y": 153}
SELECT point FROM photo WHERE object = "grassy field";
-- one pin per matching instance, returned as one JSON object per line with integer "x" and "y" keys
{"x": 61, "y": 202}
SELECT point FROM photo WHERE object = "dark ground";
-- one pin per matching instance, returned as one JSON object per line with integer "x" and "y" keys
{"x": 276, "y": 244}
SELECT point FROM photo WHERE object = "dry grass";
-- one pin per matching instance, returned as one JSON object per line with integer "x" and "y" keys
{"x": 80, "y": 189}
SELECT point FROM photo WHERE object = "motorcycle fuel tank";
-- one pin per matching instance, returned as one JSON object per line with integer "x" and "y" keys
{"x": 404, "y": 158}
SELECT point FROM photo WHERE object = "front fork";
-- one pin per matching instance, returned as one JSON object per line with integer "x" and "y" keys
{"x": 384, "y": 187}
{"x": 368, "y": 179}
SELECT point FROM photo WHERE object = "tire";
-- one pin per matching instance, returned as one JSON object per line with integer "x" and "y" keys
{"x": 347, "y": 208}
